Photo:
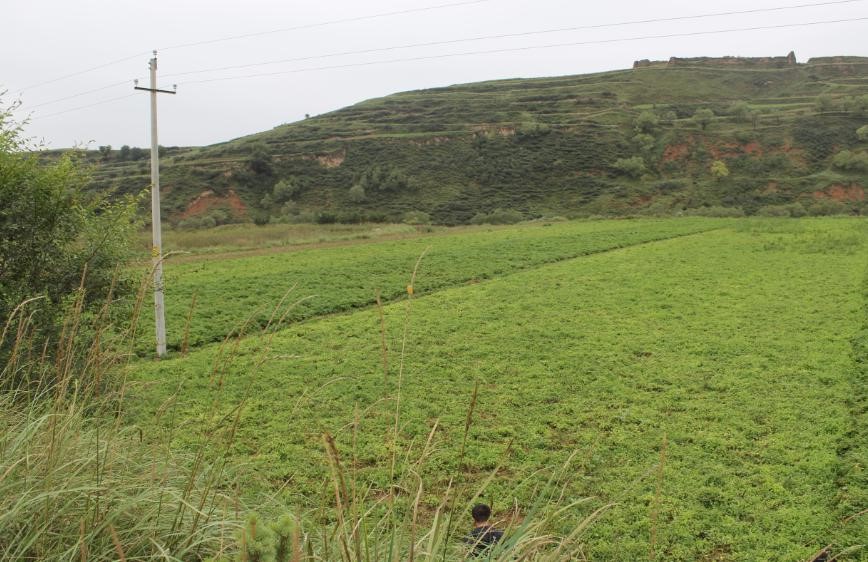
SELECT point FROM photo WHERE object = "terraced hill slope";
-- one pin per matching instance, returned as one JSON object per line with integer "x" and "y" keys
{"x": 651, "y": 139}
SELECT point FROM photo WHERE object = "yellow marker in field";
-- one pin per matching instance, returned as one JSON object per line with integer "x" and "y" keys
{"x": 155, "y": 252}
{"x": 409, "y": 289}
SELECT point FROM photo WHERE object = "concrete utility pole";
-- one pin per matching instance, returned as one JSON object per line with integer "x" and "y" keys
{"x": 157, "y": 248}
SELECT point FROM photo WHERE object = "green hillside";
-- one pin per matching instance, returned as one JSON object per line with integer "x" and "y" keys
{"x": 637, "y": 141}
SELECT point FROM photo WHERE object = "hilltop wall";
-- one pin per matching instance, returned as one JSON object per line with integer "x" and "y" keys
{"x": 838, "y": 66}
{"x": 754, "y": 62}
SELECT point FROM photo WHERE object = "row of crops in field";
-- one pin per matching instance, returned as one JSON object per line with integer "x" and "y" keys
{"x": 226, "y": 294}
{"x": 704, "y": 386}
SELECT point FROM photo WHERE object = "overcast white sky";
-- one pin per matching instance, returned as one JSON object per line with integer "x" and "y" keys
{"x": 46, "y": 39}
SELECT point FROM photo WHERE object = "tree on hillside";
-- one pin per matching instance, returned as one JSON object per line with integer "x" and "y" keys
{"x": 260, "y": 159}
{"x": 740, "y": 111}
{"x": 703, "y": 117}
{"x": 754, "y": 117}
{"x": 416, "y": 217}
{"x": 644, "y": 142}
{"x": 284, "y": 190}
{"x": 825, "y": 102}
{"x": 137, "y": 153}
{"x": 851, "y": 161}
{"x": 646, "y": 122}
{"x": 383, "y": 179}
{"x": 862, "y": 133}
{"x": 105, "y": 151}
{"x": 55, "y": 235}
{"x": 357, "y": 193}
{"x": 719, "y": 169}
{"x": 857, "y": 104}
{"x": 124, "y": 153}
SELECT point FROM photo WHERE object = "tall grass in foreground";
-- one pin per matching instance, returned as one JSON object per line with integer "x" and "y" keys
{"x": 78, "y": 482}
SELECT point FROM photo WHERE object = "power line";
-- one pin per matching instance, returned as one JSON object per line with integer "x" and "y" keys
{"x": 414, "y": 45}
{"x": 513, "y": 35}
{"x": 256, "y": 34}
{"x": 528, "y": 48}
{"x": 79, "y": 94}
{"x": 82, "y": 107}
{"x": 85, "y": 71}
{"x": 326, "y": 23}
{"x": 482, "y": 52}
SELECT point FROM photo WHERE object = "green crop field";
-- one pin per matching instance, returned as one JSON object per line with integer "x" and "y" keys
{"x": 229, "y": 292}
{"x": 708, "y": 376}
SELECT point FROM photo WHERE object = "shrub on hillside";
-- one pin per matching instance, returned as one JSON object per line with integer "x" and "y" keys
{"x": 740, "y": 111}
{"x": 646, "y": 122}
{"x": 719, "y": 169}
{"x": 194, "y": 223}
{"x": 820, "y": 136}
{"x": 633, "y": 167}
{"x": 357, "y": 193}
{"x": 260, "y": 160}
{"x": 827, "y": 207}
{"x": 383, "y": 179}
{"x": 644, "y": 142}
{"x": 859, "y": 105}
{"x": 531, "y": 129}
{"x": 214, "y": 217}
{"x": 703, "y": 117}
{"x": 715, "y": 211}
{"x": 862, "y": 133}
{"x": 744, "y": 136}
{"x": 825, "y": 102}
{"x": 416, "y": 217}
{"x": 284, "y": 190}
{"x": 851, "y": 161}
{"x": 498, "y": 216}
{"x": 773, "y": 211}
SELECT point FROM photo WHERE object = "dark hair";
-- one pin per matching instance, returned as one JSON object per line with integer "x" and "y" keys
{"x": 481, "y": 512}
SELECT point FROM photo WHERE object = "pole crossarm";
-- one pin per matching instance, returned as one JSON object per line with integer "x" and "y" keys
{"x": 155, "y": 90}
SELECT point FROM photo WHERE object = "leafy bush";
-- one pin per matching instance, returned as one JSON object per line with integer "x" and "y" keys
{"x": 825, "y": 102}
{"x": 719, "y": 169}
{"x": 740, "y": 111}
{"x": 532, "y": 129}
{"x": 383, "y": 179}
{"x": 416, "y": 217}
{"x": 774, "y": 211}
{"x": 56, "y": 238}
{"x": 646, "y": 122}
{"x": 357, "y": 193}
{"x": 703, "y": 117}
{"x": 633, "y": 167}
{"x": 260, "y": 160}
{"x": 715, "y": 211}
{"x": 498, "y": 216}
{"x": 862, "y": 133}
{"x": 821, "y": 135}
{"x": 644, "y": 142}
{"x": 826, "y": 207}
{"x": 284, "y": 190}
{"x": 851, "y": 161}
{"x": 201, "y": 221}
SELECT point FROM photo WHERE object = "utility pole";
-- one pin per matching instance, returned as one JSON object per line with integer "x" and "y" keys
{"x": 156, "y": 229}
